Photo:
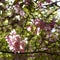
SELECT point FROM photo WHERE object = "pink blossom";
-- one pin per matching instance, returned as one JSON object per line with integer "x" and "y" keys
{"x": 47, "y": 27}
{"x": 48, "y": 1}
{"x": 22, "y": 13}
{"x": 40, "y": 5}
{"x": 15, "y": 43}
{"x": 29, "y": 28}
{"x": 38, "y": 30}
{"x": 13, "y": 32}
{"x": 27, "y": 2}
{"x": 39, "y": 23}
{"x": 16, "y": 8}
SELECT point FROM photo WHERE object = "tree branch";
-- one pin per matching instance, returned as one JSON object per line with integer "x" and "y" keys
{"x": 52, "y": 4}
{"x": 51, "y": 53}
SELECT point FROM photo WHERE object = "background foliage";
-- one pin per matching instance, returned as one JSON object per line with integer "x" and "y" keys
{"x": 44, "y": 44}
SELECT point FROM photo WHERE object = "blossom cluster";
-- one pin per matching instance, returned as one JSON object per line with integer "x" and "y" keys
{"x": 18, "y": 10}
{"x": 15, "y": 43}
{"x": 42, "y": 25}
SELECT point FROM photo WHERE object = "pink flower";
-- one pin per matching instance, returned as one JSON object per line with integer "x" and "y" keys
{"x": 38, "y": 30}
{"x": 13, "y": 32}
{"x": 22, "y": 13}
{"x": 40, "y": 5}
{"x": 48, "y": 1}
{"x": 27, "y": 2}
{"x": 29, "y": 28}
{"x": 16, "y": 8}
{"x": 52, "y": 23}
{"x": 39, "y": 23}
{"x": 15, "y": 43}
{"x": 47, "y": 27}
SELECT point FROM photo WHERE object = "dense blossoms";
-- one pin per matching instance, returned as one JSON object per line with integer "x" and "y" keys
{"x": 43, "y": 25}
{"x": 16, "y": 44}
{"x": 40, "y": 24}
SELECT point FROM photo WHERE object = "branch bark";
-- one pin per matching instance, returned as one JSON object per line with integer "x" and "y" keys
{"x": 51, "y": 53}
